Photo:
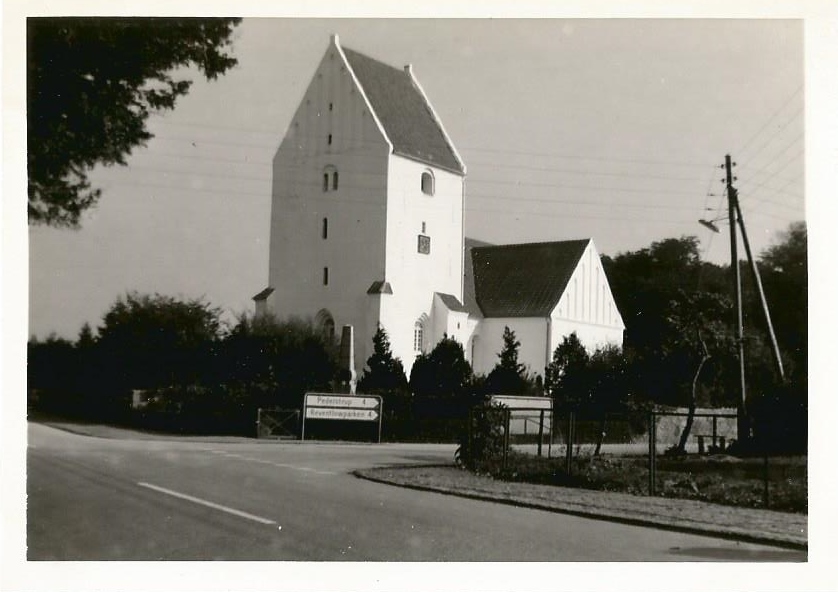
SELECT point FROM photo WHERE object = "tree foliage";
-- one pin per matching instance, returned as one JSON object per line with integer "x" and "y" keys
{"x": 444, "y": 372}
{"x": 384, "y": 374}
{"x": 149, "y": 341}
{"x": 507, "y": 377}
{"x": 784, "y": 269}
{"x": 273, "y": 362}
{"x": 91, "y": 86}
{"x": 565, "y": 376}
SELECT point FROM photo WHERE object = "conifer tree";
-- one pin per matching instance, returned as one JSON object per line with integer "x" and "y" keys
{"x": 384, "y": 373}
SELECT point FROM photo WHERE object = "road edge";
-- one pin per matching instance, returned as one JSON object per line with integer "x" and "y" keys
{"x": 662, "y": 525}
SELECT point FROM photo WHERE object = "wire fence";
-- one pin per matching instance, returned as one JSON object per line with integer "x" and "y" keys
{"x": 648, "y": 453}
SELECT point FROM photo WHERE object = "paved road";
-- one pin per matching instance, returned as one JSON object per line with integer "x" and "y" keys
{"x": 102, "y": 499}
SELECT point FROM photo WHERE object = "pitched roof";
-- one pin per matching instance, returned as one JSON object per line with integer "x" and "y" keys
{"x": 469, "y": 299}
{"x": 524, "y": 280}
{"x": 264, "y": 294}
{"x": 404, "y": 112}
{"x": 451, "y": 302}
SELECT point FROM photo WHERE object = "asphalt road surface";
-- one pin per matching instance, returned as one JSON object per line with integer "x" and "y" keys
{"x": 114, "y": 499}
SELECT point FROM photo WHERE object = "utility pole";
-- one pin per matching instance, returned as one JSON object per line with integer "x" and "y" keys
{"x": 743, "y": 430}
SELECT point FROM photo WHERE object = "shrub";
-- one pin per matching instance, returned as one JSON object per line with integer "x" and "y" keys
{"x": 482, "y": 444}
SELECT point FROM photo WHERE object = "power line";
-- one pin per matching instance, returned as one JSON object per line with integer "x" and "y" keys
{"x": 583, "y": 172}
{"x": 769, "y": 120}
{"x": 776, "y": 156}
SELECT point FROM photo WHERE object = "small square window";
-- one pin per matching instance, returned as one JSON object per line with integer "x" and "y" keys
{"x": 424, "y": 244}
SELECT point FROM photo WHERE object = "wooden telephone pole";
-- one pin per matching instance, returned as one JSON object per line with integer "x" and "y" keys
{"x": 743, "y": 427}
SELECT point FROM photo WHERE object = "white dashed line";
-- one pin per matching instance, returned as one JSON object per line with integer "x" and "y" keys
{"x": 197, "y": 500}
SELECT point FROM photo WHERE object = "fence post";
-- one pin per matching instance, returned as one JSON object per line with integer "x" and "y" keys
{"x": 540, "y": 431}
{"x": 569, "y": 441}
{"x": 550, "y": 442}
{"x": 506, "y": 416}
{"x": 765, "y": 497}
{"x": 653, "y": 436}
{"x": 470, "y": 452}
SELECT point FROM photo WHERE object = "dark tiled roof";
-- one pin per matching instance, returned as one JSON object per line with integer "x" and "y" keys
{"x": 469, "y": 300}
{"x": 403, "y": 111}
{"x": 451, "y": 302}
{"x": 525, "y": 280}
{"x": 264, "y": 293}
{"x": 380, "y": 287}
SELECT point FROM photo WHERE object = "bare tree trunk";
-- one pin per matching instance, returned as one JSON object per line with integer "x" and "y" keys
{"x": 682, "y": 444}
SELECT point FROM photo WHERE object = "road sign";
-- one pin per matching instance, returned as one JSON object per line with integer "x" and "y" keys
{"x": 328, "y": 406}
{"x": 345, "y": 414}
{"x": 515, "y": 402}
{"x": 342, "y": 401}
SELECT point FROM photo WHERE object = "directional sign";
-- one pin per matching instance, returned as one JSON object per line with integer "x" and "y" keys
{"x": 524, "y": 402}
{"x": 342, "y": 401}
{"x": 329, "y": 406}
{"x": 345, "y": 414}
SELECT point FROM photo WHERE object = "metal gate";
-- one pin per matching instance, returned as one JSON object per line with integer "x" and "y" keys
{"x": 282, "y": 424}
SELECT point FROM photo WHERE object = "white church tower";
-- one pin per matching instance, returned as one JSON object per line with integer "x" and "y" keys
{"x": 367, "y": 210}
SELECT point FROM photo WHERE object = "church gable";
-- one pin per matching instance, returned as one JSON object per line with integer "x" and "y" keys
{"x": 587, "y": 296}
{"x": 523, "y": 280}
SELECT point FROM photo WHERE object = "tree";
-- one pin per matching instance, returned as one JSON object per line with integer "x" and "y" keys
{"x": 785, "y": 279}
{"x": 149, "y": 341}
{"x": 444, "y": 372}
{"x": 507, "y": 377}
{"x": 609, "y": 389}
{"x": 565, "y": 377}
{"x": 91, "y": 86}
{"x": 384, "y": 373}
{"x": 272, "y": 362}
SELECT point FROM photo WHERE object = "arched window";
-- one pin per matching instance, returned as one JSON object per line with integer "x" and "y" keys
{"x": 326, "y": 325}
{"x": 329, "y": 331}
{"x": 427, "y": 183}
{"x": 335, "y": 181}
{"x": 325, "y": 230}
{"x": 418, "y": 336}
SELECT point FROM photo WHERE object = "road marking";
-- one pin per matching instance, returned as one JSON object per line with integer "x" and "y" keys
{"x": 206, "y": 503}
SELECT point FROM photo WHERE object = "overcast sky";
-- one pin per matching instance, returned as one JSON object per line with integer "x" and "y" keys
{"x": 609, "y": 129}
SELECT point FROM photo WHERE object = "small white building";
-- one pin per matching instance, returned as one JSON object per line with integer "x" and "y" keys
{"x": 367, "y": 229}
{"x": 543, "y": 292}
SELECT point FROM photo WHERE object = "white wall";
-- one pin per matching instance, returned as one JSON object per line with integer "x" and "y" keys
{"x": 587, "y": 307}
{"x": 415, "y": 276}
{"x": 531, "y": 332}
{"x": 356, "y": 211}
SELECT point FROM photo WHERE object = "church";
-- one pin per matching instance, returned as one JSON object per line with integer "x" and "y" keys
{"x": 367, "y": 229}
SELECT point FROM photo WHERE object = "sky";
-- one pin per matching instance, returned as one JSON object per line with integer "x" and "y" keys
{"x": 612, "y": 129}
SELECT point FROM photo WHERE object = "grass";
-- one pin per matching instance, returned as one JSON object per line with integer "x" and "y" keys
{"x": 718, "y": 479}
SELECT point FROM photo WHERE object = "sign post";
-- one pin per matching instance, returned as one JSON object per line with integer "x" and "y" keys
{"x": 336, "y": 407}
